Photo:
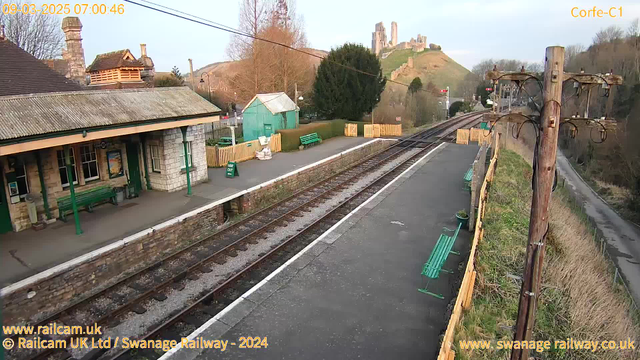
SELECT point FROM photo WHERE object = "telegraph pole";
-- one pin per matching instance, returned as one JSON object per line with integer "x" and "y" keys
{"x": 543, "y": 178}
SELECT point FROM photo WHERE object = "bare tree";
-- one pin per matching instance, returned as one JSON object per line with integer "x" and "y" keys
{"x": 38, "y": 34}
{"x": 571, "y": 52}
{"x": 609, "y": 34}
{"x": 248, "y": 50}
{"x": 264, "y": 66}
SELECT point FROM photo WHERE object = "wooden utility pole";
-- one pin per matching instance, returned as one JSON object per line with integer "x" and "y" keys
{"x": 543, "y": 178}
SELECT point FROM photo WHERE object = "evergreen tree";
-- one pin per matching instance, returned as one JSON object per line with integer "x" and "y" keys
{"x": 175, "y": 72}
{"x": 343, "y": 93}
{"x": 415, "y": 86}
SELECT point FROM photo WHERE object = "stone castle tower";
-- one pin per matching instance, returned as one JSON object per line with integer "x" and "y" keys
{"x": 394, "y": 34}
{"x": 74, "y": 54}
{"x": 378, "y": 39}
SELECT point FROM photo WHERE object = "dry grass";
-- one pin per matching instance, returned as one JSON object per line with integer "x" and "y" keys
{"x": 579, "y": 299}
{"x": 615, "y": 195}
{"x": 597, "y": 309}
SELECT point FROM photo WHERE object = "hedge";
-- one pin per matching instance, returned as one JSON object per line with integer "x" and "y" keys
{"x": 291, "y": 137}
{"x": 326, "y": 129}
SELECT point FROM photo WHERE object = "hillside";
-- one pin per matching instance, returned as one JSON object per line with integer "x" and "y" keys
{"x": 429, "y": 65}
{"x": 221, "y": 73}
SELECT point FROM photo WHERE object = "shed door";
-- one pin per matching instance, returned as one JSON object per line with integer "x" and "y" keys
{"x": 268, "y": 130}
{"x": 5, "y": 218}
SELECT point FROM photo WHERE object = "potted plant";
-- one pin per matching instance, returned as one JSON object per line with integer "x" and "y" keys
{"x": 462, "y": 217}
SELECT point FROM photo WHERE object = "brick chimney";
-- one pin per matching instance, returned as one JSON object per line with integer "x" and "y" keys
{"x": 149, "y": 69}
{"x": 1, "y": 32}
{"x": 74, "y": 54}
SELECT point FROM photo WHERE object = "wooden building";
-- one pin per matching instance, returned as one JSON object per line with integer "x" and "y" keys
{"x": 117, "y": 69}
{"x": 267, "y": 113}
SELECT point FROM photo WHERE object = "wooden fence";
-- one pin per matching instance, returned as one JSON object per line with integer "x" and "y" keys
{"x": 462, "y": 136}
{"x": 465, "y": 295}
{"x": 220, "y": 156}
{"x": 351, "y": 130}
{"x": 377, "y": 130}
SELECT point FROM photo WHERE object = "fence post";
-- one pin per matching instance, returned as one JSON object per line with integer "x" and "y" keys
{"x": 615, "y": 276}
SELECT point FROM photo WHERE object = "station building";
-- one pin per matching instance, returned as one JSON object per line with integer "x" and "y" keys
{"x": 57, "y": 137}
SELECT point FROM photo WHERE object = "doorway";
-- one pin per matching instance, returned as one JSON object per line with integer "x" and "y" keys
{"x": 268, "y": 130}
{"x": 5, "y": 217}
{"x": 133, "y": 164}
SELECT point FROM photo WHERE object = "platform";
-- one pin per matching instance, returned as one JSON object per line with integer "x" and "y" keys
{"x": 28, "y": 252}
{"x": 354, "y": 292}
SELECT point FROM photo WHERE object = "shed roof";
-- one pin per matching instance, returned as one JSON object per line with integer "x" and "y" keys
{"x": 37, "y": 114}
{"x": 22, "y": 73}
{"x": 114, "y": 60}
{"x": 275, "y": 102}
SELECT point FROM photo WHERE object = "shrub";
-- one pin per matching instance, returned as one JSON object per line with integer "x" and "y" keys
{"x": 291, "y": 137}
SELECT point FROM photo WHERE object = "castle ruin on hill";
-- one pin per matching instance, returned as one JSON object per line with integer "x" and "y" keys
{"x": 379, "y": 40}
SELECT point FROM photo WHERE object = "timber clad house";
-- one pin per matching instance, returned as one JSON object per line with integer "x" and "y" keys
{"x": 61, "y": 143}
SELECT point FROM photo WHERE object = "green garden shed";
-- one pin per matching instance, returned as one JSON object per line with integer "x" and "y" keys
{"x": 267, "y": 113}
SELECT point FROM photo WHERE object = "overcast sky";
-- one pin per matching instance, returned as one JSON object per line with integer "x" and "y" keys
{"x": 468, "y": 31}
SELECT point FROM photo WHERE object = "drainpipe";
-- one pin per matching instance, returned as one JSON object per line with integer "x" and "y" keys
{"x": 72, "y": 192}
{"x": 43, "y": 186}
{"x": 144, "y": 160}
{"x": 186, "y": 158}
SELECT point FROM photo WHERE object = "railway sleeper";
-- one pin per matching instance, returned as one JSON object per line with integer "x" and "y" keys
{"x": 138, "y": 309}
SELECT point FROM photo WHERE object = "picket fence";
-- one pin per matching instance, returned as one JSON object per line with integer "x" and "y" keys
{"x": 220, "y": 156}
{"x": 465, "y": 295}
{"x": 377, "y": 130}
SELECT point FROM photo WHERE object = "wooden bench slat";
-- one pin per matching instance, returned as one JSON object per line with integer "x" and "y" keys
{"x": 86, "y": 198}
{"x": 438, "y": 257}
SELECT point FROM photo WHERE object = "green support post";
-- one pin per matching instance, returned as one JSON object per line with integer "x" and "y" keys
{"x": 186, "y": 158}
{"x": 72, "y": 192}
{"x": 144, "y": 161}
{"x": 43, "y": 186}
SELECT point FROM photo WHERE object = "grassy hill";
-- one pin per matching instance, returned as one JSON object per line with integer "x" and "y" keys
{"x": 429, "y": 65}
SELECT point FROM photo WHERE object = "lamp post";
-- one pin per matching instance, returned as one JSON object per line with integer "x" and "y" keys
{"x": 208, "y": 84}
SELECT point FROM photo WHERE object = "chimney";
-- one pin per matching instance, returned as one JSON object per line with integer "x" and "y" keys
{"x": 74, "y": 54}
{"x": 1, "y": 32}
{"x": 143, "y": 50}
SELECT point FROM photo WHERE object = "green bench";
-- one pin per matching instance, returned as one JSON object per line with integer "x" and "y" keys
{"x": 439, "y": 255}
{"x": 86, "y": 199}
{"x": 467, "y": 179}
{"x": 310, "y": 139}
{"x": 225, "y": 141}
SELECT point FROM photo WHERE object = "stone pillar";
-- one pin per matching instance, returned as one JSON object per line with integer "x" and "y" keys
{"x": 74, "y": 54}
{"x": 394, "y": 34}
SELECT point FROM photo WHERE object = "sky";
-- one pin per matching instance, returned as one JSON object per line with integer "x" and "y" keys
{"x": 468, "y": 31}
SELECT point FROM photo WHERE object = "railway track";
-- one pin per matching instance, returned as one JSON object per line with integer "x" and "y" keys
{"x": 176, "y": 271}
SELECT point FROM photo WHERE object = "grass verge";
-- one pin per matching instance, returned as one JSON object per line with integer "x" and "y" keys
{"x": 578, "y": 299}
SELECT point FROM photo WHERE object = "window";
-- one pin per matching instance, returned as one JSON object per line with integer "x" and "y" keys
{"x": 188, "y": 153}
{"x": 89, "y": 162}
{"x": 155, "y": 157}
{"x": 21, "y": 179}
{"x": 63, "y": 169}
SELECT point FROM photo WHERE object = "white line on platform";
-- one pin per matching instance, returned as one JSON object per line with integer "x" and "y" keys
{"x": 132, "y": 238}
{"x": 257, "y": 286}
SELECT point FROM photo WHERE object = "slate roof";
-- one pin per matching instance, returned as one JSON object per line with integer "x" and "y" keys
{"x": 22, "y": 73}
{"x": 113, "y": 60}
{"x": 274, "y": 102}
{"x": 24, "y": 116}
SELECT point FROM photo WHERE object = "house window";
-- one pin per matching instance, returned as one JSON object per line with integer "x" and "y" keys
{"x": 190, "y": 156}
{"x": 155, "y": 157}
{"x": 63, "y": 169}
{"x": 89, "y": 162}
{"x": 21, "y": 179}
